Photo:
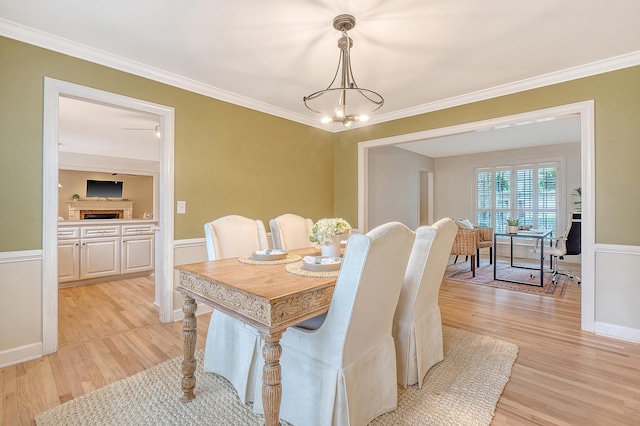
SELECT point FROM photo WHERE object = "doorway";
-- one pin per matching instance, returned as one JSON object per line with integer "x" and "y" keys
{"x": 425, "y": 197}
{"x": 53, "y": 90}
{"x": 585, "y": 110}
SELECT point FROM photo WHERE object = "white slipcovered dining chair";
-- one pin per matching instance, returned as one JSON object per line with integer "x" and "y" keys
{"x": 417, "y": 324}
{"x": 343, "y": 372}
{"x": 233, "y": 236}
{"x": 290, "y": 231}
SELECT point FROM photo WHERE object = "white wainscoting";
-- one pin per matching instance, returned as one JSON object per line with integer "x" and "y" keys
{"x": 20, "y": 306}
{"x": 617, "y": 295}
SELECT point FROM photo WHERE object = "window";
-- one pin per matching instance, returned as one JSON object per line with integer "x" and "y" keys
{"x": 527, "y": 192}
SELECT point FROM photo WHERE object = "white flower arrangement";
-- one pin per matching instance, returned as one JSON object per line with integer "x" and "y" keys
{"x": 324, "y": 229}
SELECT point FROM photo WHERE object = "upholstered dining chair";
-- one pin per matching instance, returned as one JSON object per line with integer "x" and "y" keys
{"x": 290, "y": 231}
{"x": 343, "y": 370}
{"x": 233, "y": 236}
{"x": 417, "y": 324}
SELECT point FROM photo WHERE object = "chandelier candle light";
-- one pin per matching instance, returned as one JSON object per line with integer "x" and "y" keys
{"x": 327, "y": 232}
{"x": 337, "y": 104}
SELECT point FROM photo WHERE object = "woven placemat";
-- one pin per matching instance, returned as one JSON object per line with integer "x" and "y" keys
{"x": 297, "y": 269}
{"x": 251, "y": 261}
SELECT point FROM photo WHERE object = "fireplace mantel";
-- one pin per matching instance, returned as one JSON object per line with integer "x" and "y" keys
{"x": 77, "y": 209}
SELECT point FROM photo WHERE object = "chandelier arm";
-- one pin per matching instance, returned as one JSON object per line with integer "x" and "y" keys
{"x": 380, "y": 102}
{"x": 348, "y": 84}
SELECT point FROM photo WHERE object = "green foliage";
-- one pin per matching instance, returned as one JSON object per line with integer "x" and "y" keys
{"x": 547, "y": 181}
{"x": 502, "y": 184}
{"x": 577, "y": 198}
{"x": 513, "y": 222}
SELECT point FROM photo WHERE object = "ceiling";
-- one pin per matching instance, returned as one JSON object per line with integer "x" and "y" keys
{"x": 420, "y": 55}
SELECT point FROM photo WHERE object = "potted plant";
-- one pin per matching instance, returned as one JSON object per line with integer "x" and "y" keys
{"x": 75, "y": 197}
{"x": 577, "y": 198}
{"x": 512, "y": 226}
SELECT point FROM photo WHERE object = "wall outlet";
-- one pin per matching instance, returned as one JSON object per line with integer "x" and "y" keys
{"x": 182, "y": 207}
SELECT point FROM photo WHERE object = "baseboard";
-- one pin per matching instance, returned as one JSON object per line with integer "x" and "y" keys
{"x": 106, "y": 279}
{"x": 617, "y": 332}
{"x": 178, "y": 315}
{"x": 20, "y": 354}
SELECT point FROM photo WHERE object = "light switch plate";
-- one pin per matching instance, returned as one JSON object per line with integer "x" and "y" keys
{"x": 182, "y": 207}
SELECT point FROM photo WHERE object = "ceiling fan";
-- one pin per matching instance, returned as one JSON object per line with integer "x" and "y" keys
{"x": 156, "y": 129}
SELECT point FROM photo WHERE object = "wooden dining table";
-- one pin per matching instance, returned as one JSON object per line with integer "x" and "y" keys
{"x": 266, "y": 297}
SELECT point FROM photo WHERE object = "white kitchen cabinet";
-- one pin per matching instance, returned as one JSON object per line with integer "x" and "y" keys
{"x": 103, "y": 250}
{"x": 68, "y": 260}
{"x": 68, "y": 253}
{"x": 137, "y": 253}
{"x": 99, "y": 257}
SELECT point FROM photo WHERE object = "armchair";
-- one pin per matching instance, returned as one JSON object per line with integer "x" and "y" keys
{"x": 466, "y": 244}
{"x": 485, "y": 240}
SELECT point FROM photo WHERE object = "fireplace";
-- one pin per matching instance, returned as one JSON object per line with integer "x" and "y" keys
{"x": 88, "y": 214}
{"x": 86, "y": 210}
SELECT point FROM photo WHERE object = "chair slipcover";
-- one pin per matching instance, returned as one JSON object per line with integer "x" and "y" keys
{"x": 344, "y": 372}
{"x": 233, "y": 236}
{"x": 417, "y": 325}
{"x": 290, "y": 231}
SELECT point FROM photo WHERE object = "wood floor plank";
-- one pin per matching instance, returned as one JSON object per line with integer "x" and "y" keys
{"x": 562, "y": 376}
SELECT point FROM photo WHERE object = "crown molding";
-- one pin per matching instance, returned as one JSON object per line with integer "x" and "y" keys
{"x": 587, "y": 70}
{"x": 58, "y": 44}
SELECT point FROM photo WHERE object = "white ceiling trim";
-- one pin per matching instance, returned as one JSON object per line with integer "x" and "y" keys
{"x": 58, "y": 44}
{"x": 599, "y": 67}
{"x": 77, "y": 50}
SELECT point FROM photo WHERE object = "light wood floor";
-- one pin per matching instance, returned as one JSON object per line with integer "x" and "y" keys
{"x": 562, "y": 376}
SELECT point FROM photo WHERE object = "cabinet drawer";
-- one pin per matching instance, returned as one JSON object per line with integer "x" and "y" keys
{"x": 66, "y": 233}
{"x": 146, "y": 229}
{"x": 100, "y": 231}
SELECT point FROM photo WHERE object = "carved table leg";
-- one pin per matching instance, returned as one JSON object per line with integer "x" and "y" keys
{"x": 189, "y": 335}
{"x": 271, "y": 378}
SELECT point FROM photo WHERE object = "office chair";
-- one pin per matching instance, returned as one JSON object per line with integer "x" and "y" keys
{"x": 567, "y": 244}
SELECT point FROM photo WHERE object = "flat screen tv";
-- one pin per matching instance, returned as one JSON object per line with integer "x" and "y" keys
{"x": 104, "y": 189}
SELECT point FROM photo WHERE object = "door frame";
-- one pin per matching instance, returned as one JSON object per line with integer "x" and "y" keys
{"x": 586, "y": 112}
{"x": 53, "y": 89}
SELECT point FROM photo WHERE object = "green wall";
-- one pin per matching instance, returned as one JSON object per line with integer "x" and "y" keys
{"x": 228, "y": 159}
{"x": 617, "y": 144}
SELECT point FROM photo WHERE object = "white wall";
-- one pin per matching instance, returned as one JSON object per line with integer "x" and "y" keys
{"x": 454, "y": 176}
{"x": 394, "y": 186}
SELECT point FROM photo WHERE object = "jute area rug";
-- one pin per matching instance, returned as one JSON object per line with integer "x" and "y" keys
{"x": 461, "y": 271}
{"x": 463, "y": 389}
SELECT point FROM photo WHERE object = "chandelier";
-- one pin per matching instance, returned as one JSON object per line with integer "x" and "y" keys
{"x": 346, "y": 103}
